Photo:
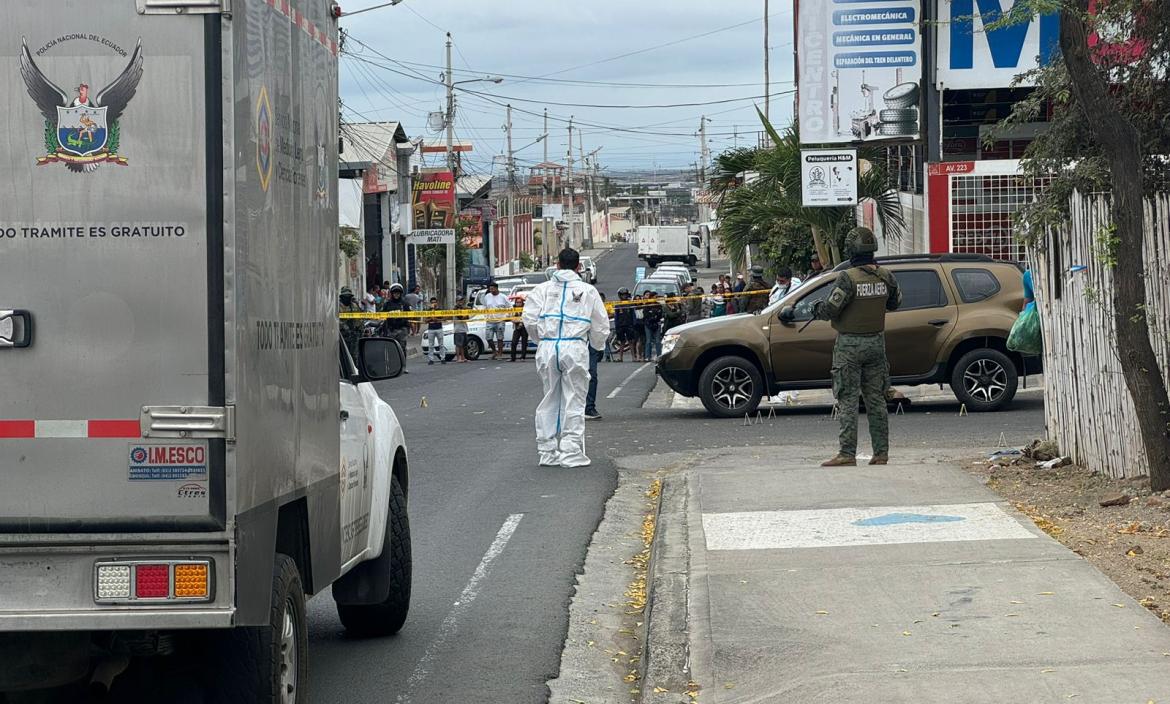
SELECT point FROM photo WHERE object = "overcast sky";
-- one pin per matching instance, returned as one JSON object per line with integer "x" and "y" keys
{"x": 571, "y": 41}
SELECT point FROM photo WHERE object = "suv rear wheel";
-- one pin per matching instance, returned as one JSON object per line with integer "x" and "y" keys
{"x": 984, "y": 380}
{"x": 730, "y": 386}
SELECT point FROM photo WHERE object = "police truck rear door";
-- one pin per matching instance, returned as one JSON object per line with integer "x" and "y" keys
{"x": 110, "y": 275}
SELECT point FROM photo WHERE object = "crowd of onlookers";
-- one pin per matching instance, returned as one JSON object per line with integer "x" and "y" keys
{"x": 639, "y": 323}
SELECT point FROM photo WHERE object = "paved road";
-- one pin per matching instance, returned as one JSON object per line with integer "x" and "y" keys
{"x": 488, "y": 617}
{"x": 497, "y": 539}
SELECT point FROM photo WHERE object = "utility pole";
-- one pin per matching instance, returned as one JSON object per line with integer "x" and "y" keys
{"x": 703, "y": 153}
{"x": 450, "y": 110}
{"x": 587, "y": 237}
{"x": 767, "y": 83}
{"x": 450, "y": 287}
{"x": 545, "y": 230}
{"x": 513, "y": 248}
{"x": 569, "y": 192}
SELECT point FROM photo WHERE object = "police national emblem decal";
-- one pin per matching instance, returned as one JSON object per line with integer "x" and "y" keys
{"x": 82, "y": 129}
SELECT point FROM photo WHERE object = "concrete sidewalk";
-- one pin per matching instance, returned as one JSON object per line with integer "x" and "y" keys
{"x": 905, "y": 583}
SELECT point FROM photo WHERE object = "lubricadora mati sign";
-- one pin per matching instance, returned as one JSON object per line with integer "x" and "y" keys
{"x": 971, "y": 56}
{"x": 860, "y": 70}
{"x": 433, "y": 201}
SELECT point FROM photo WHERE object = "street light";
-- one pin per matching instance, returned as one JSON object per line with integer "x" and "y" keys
{"x": 339, "y": 13}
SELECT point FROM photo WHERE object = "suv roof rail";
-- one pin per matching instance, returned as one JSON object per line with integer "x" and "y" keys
{"x": 942, "y": 258}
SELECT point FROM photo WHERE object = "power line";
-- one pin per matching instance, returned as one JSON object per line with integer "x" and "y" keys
{"x": 579, "y": 82}
{"x": 603, "y": 106}
{"x": 657, "y": 46}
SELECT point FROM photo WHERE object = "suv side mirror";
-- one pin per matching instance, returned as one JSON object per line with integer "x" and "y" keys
{"x": 787, "y": 315}
{"x": 380, "y": 358}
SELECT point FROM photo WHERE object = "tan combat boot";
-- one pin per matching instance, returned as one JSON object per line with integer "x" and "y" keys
{"x": 882, "y": 458}
{"x": 840, "y": 461}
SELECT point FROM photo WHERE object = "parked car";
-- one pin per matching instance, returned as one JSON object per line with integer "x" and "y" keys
{"x": 661, "y": 286}
{"x": 476, "y": 341}
{"x": 952, "y": 327}
{"x": 588, "y": 270}
{"x": 519, "y": 293}
{"x": 677, "y": 269}
{"x": 680, "y": 277}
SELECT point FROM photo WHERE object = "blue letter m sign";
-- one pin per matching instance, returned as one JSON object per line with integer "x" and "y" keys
{"x": 1006, "y": 44}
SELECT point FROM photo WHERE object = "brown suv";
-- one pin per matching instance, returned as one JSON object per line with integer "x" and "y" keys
{"x": 957, "y": 310}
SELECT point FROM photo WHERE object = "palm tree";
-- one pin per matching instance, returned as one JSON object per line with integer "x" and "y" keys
{"x": 760, "y": 195}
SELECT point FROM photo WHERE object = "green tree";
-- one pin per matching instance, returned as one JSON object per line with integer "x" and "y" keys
{"x": 1109, "y": 133}
{"x": 760, "y": 192}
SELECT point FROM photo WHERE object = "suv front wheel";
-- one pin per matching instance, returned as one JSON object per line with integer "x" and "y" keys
{"x": 984, "y": 380}
{"x": 730, "y": 387}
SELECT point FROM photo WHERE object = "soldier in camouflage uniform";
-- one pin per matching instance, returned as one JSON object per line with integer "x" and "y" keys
{"x": 857, "y": 307}
{"x": 351, "y": 328}
{"x": 756, "y": 292}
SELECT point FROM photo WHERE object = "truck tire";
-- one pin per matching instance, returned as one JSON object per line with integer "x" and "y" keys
{"x": 268, "y": 664}
{"x": 730, "y": 387}
{"x": 386, "y": 618}
{"x": 652, "y": 261}
{"x": 984, "y": 380}
{"x": 692, "y": 260}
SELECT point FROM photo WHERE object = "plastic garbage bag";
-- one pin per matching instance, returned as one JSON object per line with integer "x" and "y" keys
{"x": 1025, "y": 335}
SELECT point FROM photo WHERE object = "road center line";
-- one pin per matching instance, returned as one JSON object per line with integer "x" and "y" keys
{"x": 450, "y": 624}
{"x": 618, "y": 389}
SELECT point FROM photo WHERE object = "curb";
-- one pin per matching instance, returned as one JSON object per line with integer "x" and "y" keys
{"x": 666, "y": 675}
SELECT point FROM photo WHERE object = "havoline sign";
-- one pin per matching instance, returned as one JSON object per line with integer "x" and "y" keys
{"x": 971, "y": 56}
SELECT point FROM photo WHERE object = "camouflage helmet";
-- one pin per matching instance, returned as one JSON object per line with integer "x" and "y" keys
{"x": 861, "y": 240}
{"x": 346, "y": 291}
{"x": 757, "y": 272}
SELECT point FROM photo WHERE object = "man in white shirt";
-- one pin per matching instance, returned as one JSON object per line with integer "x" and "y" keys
{"x": 495, "y": 326}
{"x": 785, "y": 284}
{"x": 567, "y": 317}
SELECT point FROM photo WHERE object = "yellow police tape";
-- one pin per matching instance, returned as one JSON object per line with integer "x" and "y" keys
{"x": 504, "y": 314}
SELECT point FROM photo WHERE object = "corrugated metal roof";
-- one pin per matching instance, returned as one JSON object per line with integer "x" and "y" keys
{"x": 372, "y": 142}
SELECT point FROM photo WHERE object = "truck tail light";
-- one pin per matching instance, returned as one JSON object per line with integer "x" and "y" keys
{"x": 152, "y": 581}
{"x": 131, "y": 581}
{"x": 113, "y": 582}
{"x": 191, "y": 581}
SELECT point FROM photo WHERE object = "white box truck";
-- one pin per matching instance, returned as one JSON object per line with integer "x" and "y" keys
{"x": 187, "y": 449}
{"x": 668, "y": 243}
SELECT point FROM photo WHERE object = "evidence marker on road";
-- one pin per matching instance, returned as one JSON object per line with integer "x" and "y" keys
{"x": 871, "y": 525}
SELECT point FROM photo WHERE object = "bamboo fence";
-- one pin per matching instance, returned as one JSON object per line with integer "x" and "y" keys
{"x": 1087, "y": 407}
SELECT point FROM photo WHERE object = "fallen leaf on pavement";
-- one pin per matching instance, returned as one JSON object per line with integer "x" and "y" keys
{"x": 660, "y": 690}
{"x": 905, "y": 633}
{"x": 822, "y": 613}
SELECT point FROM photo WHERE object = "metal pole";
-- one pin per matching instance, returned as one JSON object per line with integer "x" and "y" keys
{"x": 513, "y": 245}
{"x": 544, "y": 228}
{"x": 587, "y": 241}
{"x": 569, "y": 176}
{"x": 767, "y": 83}
{"x": 449, "y": 294}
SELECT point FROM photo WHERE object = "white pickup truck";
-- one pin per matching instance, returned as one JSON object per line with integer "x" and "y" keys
{"x": 187, "y": 449}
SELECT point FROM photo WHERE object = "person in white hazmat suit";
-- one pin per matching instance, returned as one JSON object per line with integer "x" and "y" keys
{"x": 567, "y": 317}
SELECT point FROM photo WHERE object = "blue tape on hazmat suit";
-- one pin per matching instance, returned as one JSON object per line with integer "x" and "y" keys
{"x": 566, "y": 316}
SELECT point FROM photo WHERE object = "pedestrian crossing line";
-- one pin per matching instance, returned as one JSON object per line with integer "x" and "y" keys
{"x": 870, "y": 525}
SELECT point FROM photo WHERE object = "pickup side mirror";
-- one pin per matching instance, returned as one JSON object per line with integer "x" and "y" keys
{"x": 380, "y": 358}
{"x": 787, "y": 315}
